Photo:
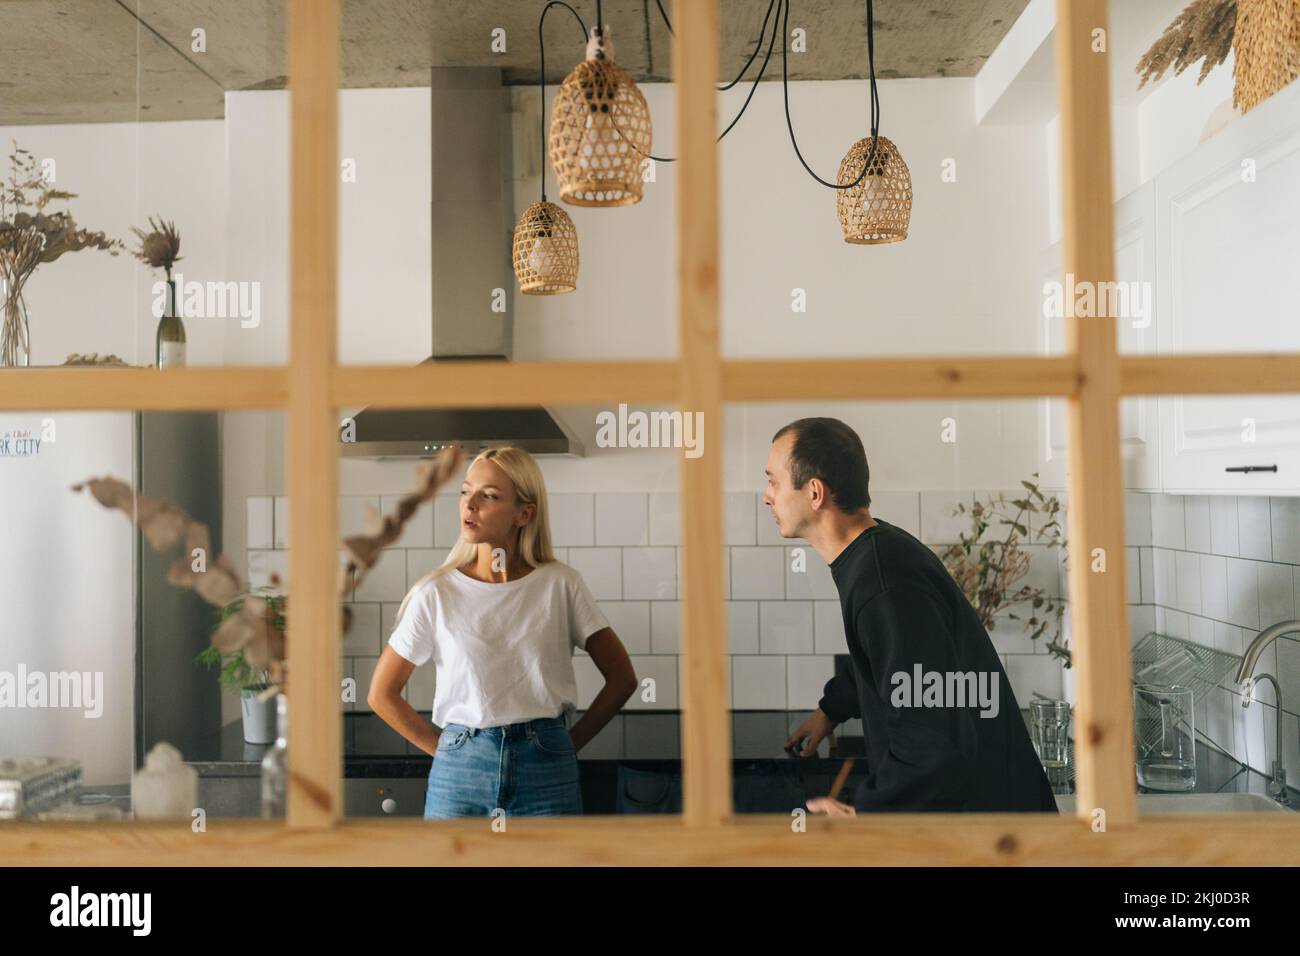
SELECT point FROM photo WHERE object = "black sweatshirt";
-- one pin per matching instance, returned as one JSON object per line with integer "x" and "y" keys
{"x": 906, "y": 617}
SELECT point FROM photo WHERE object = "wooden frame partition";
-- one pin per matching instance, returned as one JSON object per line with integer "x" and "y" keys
{"x": 1092, "y": 376}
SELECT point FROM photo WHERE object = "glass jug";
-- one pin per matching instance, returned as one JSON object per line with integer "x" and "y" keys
{"x": 1165, "y": 724}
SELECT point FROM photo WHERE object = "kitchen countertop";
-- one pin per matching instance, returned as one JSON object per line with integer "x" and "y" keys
{"x": 372, "y": 750}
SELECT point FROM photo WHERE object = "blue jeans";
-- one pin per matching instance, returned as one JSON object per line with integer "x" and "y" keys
{"x": 525, "y": 769}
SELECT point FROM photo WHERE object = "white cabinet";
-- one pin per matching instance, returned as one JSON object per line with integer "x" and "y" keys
{"x": 1135, "y": 272}
{"x": 1228, "y": 241}
{"x": 1215, "y": 240}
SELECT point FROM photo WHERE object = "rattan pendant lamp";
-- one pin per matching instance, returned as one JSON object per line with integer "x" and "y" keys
{"x": 600, "y": 129}
{"x": 873, "y": 187}
{"x": 545, "y": 247}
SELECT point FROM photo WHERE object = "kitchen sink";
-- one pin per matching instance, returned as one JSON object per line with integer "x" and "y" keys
{"x": 1161, "y": 804}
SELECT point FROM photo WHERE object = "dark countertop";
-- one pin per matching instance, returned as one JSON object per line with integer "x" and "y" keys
{"x": 650, "y": 742}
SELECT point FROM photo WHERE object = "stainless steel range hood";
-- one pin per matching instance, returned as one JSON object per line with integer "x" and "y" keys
{"x": 472, "y": 228}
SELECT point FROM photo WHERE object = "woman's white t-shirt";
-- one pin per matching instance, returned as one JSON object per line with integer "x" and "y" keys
{"x": 503, "y": 652}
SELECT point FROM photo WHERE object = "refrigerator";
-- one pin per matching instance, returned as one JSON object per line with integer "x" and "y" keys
{"x": 86, "y": 613}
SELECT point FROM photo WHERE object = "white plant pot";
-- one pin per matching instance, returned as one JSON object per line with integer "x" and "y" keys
{"x": 259, "y": 718}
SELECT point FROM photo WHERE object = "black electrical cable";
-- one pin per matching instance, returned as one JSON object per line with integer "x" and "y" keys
{"x": 757, "y": 46}
{"x": 875, "y": 101}
{"x": 753, "y": 87}
{"x": 541, "y": 46}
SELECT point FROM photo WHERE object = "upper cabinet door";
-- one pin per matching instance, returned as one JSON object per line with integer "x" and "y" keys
{"x": 1229, "y": 281}
{"x": 1135, "y": 274}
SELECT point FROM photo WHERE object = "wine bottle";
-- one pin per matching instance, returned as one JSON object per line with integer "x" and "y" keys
{"x": 171, "y": 333}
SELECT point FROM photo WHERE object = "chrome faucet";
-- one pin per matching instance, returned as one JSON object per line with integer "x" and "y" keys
{"x": 1248, "y": 679}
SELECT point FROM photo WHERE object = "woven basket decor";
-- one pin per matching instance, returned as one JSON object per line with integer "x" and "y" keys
{"x": 879, "y": 208}
{"x": 546, "y": 250}
{"x": 600, "y": 135}
{"x": 1266, "y": 49}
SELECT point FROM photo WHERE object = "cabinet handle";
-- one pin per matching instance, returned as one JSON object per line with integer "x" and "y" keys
{"x": 1249, "y": 468}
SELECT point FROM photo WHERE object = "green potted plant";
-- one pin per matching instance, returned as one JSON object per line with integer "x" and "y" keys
{"x": 239, "y": 675}
{"x": 991, "y": 562}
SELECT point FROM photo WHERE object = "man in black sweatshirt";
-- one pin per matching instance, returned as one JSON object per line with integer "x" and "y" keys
{"x": 942, "y": 729}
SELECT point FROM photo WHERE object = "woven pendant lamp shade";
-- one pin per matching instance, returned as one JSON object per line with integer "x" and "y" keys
{"x": 600, "y": 132}
{"x": 546, "y": 250}
{"x": 879, "y": 208}
{"x": 1266, "y": 49}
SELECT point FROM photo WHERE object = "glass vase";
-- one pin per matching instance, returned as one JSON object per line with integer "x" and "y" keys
{"x": 275, "y": 764}
{"x": 15, "y": 332}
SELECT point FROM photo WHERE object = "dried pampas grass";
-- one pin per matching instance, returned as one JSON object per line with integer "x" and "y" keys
{"x": 1204, "y": 30}
{"x": 254, "y": 628}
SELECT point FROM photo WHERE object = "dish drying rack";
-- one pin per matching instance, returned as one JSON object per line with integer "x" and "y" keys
{"x": 1162, "y": 659}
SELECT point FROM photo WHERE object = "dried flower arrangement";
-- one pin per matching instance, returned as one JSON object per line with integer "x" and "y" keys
{"x": 988, "y": 571}
{"x": 252, "y": 627}
{"x": 160, "y": 247}
{"x": 30, "y": 236}
{"x": 1264, "y": 35}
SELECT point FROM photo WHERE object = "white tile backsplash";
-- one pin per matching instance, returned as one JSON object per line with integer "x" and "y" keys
{"x": 622, "y": 519}
{"x": 1211, "y": 569}
{"x": 806, "y": 677}
{"x": 1223, "y": 526}
{"x": 650, "y": 573}
{"x": 1255, "y": 530}
{"x": 665, "y": 627}
{"x": 664, "y": 518}
{"x": 1168, "y": 529}
{"x": 758, "y": 573}
{"x": 741, "y": 518}
{"x": 260, "y": 523}
{"x": 785, "y": 627}
{"x": 1196, "y": 516}
{"x": 573, "y": 520}
{"x": 758, "y": 682}
{"x": 418, "y": 532}
{"x": 828, "y": 628}
{"x": 601, "y": 569}
{"x": 446, "y": 521}
{"x": 742, "y": 627}
{"x": 1285, "y": 522}
{"x": 386, "y": 581}
{"x": 807, "y": 575}
{"x": 631, "y": 622}
{"x": 1276, "y": 593}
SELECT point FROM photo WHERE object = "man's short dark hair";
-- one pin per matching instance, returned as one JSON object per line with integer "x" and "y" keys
{"x": 830, "y": 450}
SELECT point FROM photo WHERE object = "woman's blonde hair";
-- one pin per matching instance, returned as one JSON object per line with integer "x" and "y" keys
{"x": 534, "y": 544}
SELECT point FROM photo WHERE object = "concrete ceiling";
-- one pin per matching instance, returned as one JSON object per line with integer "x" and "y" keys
{"x": 77, "y": 61}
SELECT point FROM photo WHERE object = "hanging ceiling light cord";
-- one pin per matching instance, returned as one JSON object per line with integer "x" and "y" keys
{"x": 541, "y": 46}
{"x": 753, "y": 86}
{"x": 748, "y": 63}
{"x": 875, "y": 100}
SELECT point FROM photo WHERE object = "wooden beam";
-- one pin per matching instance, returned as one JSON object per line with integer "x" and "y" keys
{"x": 315, "y": 732}
{"x": 973, "y": 839}
{"x": 1100, "y": 642}
{"x": 1250, "y": 374}
{"x": 142, "y": 389}
{"x": 706, "y": 721}
{"x": 758, "y": 380}
{"x": 489, "y": 384}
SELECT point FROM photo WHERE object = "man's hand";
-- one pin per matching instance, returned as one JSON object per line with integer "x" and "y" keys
{"x": 815, "y": 728}
{"x": 831, "y": 807}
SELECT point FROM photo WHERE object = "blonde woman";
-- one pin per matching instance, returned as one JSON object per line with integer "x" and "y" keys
{"x": 499, "y": 620}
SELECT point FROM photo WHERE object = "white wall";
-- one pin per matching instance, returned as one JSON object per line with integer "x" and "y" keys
{"x": 122, "y": 173}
